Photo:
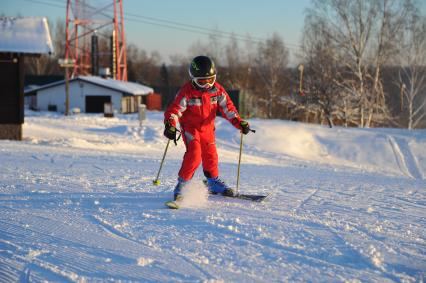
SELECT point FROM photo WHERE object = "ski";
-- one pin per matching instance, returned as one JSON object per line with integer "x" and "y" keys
{"x": 256, "y": 198}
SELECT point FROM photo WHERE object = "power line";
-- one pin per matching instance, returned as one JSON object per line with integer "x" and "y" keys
{"x": 204, "y": 31}
{"x": 177, "y": 26}
{"x": 195, "y": 27}
{"x": 200, "y": 30}
{"x": 55, "y": 4}
{"x": 209, "y": 30}
{"x": 210, "y": 33}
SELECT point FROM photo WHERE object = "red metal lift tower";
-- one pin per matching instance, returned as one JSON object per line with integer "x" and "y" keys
{"x": 84, "y": 21}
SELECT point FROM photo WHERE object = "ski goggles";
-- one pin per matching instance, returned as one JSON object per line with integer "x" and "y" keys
{"x": 205, "y": 82}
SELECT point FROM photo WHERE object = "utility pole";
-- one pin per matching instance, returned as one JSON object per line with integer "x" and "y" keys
{"x": 301, "y": 68}
{"x": 67, "y": 63}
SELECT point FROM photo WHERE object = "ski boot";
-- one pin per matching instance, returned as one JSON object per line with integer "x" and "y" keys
{"x": 217, "y": 186}
{"x": 177, "y": 193}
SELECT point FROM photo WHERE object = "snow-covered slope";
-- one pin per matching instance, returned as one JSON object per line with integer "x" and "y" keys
{"x": 77, "y": 204}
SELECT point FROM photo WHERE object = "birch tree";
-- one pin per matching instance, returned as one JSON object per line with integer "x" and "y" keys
{"x": 362, "y": 35}
{"x": 412, "y": 73}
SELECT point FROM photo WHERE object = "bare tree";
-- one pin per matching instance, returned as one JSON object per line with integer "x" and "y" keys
{"x": 178, "y": 69}
{"x": 320, "y": 72}
{"x": 271, "y": 64}
{"x": 212, "y": 48}
{"x": 238, "y": 63}
{"x": 392, "y": 15}
{"x": 237, "y": 66}
{"x": 362, "y": 35}
{"x": 142, "y": 66}
{"x": 412, "y": 73}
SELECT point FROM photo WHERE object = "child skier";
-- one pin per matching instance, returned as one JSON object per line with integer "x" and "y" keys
{"x": 194, "y": 109}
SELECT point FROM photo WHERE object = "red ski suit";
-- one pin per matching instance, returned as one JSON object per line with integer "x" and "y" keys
{"x": 195, "y": 110}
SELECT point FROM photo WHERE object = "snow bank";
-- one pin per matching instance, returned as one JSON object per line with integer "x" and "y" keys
{"x": 389, "y": 151}
{"x": 375, "y": 150}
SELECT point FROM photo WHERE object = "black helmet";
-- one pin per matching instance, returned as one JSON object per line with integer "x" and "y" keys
{"x": 202, "y": 71}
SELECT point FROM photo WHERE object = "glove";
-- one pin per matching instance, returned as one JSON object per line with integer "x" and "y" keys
{"x": 170, "y": 132}
{"x": 245, "y": 127}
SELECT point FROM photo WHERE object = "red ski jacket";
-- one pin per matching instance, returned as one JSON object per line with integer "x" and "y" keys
{"x": 194, "y": 108}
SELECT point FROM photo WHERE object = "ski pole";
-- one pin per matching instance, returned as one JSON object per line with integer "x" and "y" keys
{"x": 157, "y": 181}
{"x": 239, "y": 164}
{"x": 239, "y": 160}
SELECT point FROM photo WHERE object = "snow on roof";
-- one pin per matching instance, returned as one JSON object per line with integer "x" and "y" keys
{"x": 127, "y": 87}
{"x": 25, "y": 35}
{"x": 121, "y": 86}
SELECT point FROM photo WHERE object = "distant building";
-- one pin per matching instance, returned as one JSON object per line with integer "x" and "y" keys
{"x": 89, "y": 94}
{"x": 19, "y": 37}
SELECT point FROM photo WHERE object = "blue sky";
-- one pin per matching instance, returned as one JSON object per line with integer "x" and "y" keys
{"x": 260, "y": 19}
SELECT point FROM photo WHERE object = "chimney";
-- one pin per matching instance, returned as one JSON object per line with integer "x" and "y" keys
{"x": 95, "y": 55}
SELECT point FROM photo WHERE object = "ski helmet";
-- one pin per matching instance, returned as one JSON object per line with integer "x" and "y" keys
{"x": 203, "y": 72}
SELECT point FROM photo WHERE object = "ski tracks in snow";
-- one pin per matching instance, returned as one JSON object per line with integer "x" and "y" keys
{"x": 306, "y": 200}
{"x": 175, "y": 259}
{"x": 405, "y": 159}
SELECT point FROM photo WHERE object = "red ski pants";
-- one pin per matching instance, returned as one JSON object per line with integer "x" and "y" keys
{"x": 200, "y": 147}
